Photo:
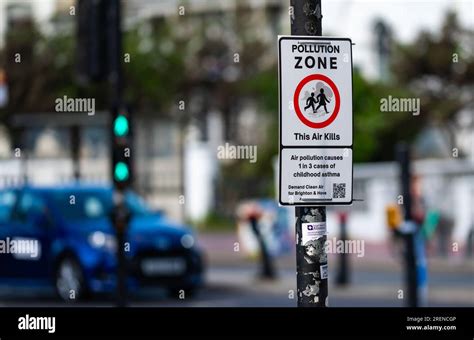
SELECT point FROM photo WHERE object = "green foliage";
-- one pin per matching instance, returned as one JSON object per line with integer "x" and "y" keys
{"x": 47, "y": 70}
{"x": 438, "y": 68}
{"x": 156, "y": 69}
{"x": 374, "y": 131}
{"x": 263, "y": 86}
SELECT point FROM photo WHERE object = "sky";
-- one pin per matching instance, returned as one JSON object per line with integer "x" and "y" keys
{"x": 348, "y": 18}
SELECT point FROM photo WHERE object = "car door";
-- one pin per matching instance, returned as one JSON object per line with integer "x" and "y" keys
{"x": 8, "y": 201}
{"x": 29, "y": 238}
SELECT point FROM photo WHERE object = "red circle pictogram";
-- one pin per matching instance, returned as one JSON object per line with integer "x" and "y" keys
{"x": 296, "y": 104}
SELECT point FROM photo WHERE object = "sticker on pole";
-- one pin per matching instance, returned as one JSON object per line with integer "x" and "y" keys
{"x": 315, "y": 91}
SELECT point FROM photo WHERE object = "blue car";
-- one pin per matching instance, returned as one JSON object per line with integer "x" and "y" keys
{"x": 63, "y": 235}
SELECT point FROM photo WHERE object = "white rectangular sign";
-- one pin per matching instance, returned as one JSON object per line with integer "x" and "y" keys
{"x": 315, "y": 91}
{"x": 316, "y": 121}
{"x": 316, "y": 176}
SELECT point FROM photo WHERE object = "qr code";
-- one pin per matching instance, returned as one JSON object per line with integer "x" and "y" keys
{"x": 339, "y": 190}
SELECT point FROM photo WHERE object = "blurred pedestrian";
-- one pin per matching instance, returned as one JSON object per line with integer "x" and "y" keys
{"x": 252, "y": 212}
{"x": 470, "y": 242}
{"x": 418, "y": 208}
{"x": 443, "y": 234}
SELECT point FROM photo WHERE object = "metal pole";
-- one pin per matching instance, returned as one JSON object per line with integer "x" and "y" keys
{"x": 408, "y": 233}
{"x": 343, "y": 273}
{"x": 182, "y": 164}
{"x": 311, "y": 268}
{"x": 311, "y": 272}
{"x": 306, "y": 18}
{"x": 115, "y": 49}
{"x": 19, "y": 143}
{"x": 76, "y": 145}
{"x": 120, "y": 220}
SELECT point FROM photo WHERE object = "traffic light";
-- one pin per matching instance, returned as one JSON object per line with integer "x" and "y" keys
{"x": 91, "y": 48}
{"x": 121, "y": 148}
{"x": 394, "y": 216}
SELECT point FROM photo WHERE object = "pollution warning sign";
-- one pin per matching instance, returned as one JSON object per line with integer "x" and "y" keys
{"x": 315, "y": 76}
{"x": 316, "y": 121}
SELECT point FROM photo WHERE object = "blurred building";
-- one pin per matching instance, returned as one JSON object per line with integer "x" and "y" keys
{"x": 15, "y": 10}
{"x": 210, "y": 127}
{"x": 447, "y": 187}
{"x": 173, "y": 163}
{"x": 178, "y": 164}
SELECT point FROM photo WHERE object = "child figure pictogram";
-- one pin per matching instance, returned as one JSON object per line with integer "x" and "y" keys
{"x": 310, "y": 102}
{"x": 322, "y": 100}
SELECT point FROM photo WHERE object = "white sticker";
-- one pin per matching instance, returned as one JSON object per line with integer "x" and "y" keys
{"x": 324, "y": 271}
{"x": 313, "y": 231}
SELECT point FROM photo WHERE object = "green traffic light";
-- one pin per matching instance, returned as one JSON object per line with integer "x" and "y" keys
{"x": 121, "y": 172}
{"x": 121, "y": 126}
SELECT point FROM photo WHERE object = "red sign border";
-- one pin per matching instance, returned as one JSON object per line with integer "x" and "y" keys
{"x": 296, "y": 104}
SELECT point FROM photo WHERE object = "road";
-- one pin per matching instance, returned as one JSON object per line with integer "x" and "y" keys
{"x": 238, "y": 286}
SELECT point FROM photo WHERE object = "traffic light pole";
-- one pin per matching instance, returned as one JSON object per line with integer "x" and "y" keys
{"x": 100, "y": 54}
{"x": 120, "y": 215}
{"x": 114, "y": 35}
{"x": 342, "y": 277}
{"x": 76, "y": 144}
{"x": 311, "y": 276}
{"x": 409, "y": 229}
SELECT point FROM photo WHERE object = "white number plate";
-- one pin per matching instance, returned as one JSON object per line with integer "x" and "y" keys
{"x": 163, "y": 266}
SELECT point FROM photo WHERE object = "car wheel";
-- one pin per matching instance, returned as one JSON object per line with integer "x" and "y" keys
{"x": 70, "y": 280}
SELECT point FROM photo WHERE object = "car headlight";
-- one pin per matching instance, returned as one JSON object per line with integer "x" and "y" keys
{"x": 101, "y": 240}
{"x": 187, "y": 241}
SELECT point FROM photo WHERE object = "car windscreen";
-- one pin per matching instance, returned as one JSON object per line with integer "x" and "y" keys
{"x": 95, "y": 204}
{"x": 137, "y": 205}
{"x": 83, "y": 205}
{"x": 7, "y": 202}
